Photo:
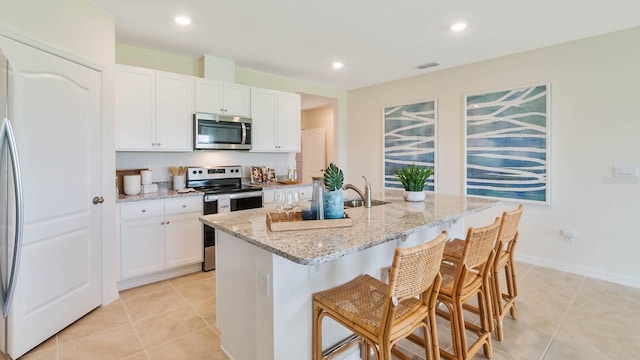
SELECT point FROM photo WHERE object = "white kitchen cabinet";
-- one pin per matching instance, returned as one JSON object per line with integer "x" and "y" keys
{"x": 154, "y": 110}
{"x": 276, "y": 121}
{"x": 183, "y": 237}
{"x": 158, "y": 235}
{"x": 218, "y": 97}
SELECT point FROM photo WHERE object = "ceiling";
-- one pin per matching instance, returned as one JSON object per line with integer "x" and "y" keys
{"x": 377, "y": 40}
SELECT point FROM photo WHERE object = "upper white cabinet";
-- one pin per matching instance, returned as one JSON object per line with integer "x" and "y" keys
{"x": 276, "y": 121}
{"x": 218, "y": 97}
{"x": 154, "y": 110}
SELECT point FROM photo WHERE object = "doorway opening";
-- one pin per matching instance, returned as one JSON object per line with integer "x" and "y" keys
{"x": 317, "y": 126}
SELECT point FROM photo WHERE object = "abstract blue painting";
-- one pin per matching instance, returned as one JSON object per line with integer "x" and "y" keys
{"x": 409, "y": 138}
{"x": 507, "y": 144}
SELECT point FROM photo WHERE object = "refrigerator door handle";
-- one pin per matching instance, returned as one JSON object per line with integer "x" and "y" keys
{"x": 7, "y": 133}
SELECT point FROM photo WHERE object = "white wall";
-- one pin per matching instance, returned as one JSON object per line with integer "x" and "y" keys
{"x": 83, "y": 32}
{"x": 594, "y": 124}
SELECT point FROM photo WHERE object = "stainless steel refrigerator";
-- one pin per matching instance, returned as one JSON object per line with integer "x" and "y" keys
{"x": 11, "y": 204}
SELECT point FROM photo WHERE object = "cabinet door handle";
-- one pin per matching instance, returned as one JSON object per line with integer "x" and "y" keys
{"x": 162, "y": 223}
{"x": 167, "y": 223}
{"x": 159, "y": 144}
{"x": 98, "y": 200}
{"x": 143, "y": 210}
{"x": 184, "y": 206}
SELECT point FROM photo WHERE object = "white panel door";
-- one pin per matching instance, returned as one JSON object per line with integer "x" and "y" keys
{"x": 57, "y": 109}
{"x": 174, "y": 111}
{"x": 313, "y": 153}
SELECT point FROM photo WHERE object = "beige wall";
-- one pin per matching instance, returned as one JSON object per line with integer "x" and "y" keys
{"x": 594, "y": 124}
{"x": 321, "y": 118}
{"x": 82, "y": 32}
{"x": 157, "y": 60}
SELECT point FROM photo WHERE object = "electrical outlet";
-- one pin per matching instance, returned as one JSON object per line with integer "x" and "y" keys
{"x": 569, "y": 236}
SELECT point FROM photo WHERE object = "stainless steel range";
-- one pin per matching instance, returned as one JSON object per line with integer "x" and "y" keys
{"x": 224, "y": 192}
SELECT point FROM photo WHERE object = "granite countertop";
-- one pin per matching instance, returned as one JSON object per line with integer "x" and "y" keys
{"x": 122, "y": 198}
{"x": 371, "y": 226}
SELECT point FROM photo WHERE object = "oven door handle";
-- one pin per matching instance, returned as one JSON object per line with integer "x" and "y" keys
{"x": 244, "y": 195}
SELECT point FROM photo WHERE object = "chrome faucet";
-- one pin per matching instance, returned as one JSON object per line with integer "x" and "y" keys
{"x": 366, "y": 197}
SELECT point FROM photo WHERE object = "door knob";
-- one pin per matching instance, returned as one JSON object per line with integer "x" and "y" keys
{"x": 98, "y": 200}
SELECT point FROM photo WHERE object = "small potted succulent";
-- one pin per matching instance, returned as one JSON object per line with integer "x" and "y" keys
{"x": 333, "y": 197}
{"x": 413, "y": 179}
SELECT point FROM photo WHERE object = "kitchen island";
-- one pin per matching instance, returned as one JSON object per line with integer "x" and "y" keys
{"x": 264, "y": 279}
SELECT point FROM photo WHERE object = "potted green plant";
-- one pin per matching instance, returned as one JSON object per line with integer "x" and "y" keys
{"x": 413, "y": 179}
{"x": 333, "y": 197}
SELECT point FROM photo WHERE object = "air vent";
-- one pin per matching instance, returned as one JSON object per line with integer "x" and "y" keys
{"x": 427, "y": 65}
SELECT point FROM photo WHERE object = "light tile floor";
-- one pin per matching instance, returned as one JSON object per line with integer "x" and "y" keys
{"x": 173, "y": 319}
{"x": 561, "y": 316}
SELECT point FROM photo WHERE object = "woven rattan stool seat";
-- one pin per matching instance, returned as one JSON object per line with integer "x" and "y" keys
{"x": 362, "y": 301}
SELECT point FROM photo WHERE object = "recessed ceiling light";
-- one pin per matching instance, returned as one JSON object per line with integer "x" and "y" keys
{"x": 183, "y": 20}
{"x": 458, "y": 26}
{"x": 337, "y": 65}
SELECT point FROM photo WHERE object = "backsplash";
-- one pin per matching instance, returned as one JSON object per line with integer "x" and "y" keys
{"x": 160, "y": 162}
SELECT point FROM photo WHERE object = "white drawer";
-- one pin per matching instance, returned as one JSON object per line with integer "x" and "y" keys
{"x": 141, "y": 210}
{"x": 183, "y": 205}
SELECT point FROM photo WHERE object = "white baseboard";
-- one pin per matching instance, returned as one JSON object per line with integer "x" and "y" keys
{"x": 632, "y": 281}
{"x": 163, "y": 275}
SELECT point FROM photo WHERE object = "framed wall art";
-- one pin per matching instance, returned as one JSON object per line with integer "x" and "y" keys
{"x": 507, "y": 144}
{"x": 409, "y": 138}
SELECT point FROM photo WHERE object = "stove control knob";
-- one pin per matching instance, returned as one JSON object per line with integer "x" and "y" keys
{"x": 194, "y": 171}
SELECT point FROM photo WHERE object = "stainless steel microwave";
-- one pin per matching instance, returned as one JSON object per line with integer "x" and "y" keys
{"x": 212, "y": 131}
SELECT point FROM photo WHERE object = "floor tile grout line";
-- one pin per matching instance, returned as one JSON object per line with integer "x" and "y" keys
{"x": 133, "y": 325}
{"x": 562, "y": 319}
{"x": 196, "y": 311}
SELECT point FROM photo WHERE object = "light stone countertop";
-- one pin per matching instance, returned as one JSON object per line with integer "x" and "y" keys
{"x": 122, "y": 198}
{"x": 371, "y": 226}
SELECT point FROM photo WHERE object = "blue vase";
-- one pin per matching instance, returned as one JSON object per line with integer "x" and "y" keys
{"x": 333, "y": 204}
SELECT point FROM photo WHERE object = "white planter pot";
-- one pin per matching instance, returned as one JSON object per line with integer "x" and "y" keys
{"x": 414, "y": 195}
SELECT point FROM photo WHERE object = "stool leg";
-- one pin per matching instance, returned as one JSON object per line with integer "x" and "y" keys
{"x": 498, "y": 310}
{"x": 512, "y": 288}
{"x": 317, "y": 332}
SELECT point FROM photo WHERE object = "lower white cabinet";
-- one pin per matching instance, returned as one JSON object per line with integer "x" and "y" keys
{"x": 157, "y": 235}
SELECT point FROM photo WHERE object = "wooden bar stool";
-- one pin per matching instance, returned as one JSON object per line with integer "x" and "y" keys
{"x": 462, "y": 280}
{"x": 504, "y": 249}
{"x": 380, "y": 314}
{"x": 504, "y": 259}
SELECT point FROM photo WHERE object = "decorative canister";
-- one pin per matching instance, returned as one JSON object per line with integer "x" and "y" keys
{"x": 132, "y": 184}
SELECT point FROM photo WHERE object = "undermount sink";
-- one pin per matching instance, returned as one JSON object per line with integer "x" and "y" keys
{"x": 359, "y": 202}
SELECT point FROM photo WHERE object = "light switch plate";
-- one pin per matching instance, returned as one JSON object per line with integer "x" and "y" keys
{"x": 625, "y": 170}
